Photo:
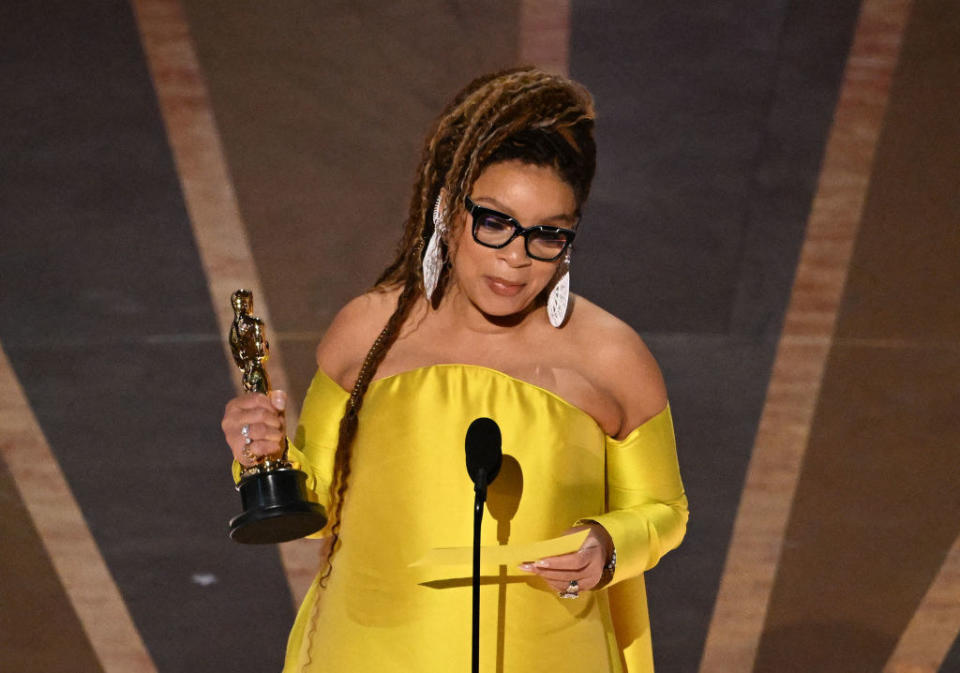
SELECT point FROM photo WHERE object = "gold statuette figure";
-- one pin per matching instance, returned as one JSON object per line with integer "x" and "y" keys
{"x": 248, "y": 342}
{"x": 276, "y": 507}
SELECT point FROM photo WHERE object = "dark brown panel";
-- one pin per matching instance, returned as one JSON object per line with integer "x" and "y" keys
{"x": 39, "y": 630}
{"x": 904, "y": 280}
{"x": 877, "y": 506}
{"x": 876, "y": 510}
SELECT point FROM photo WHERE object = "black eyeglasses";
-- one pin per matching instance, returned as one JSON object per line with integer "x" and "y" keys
{"x": 495, "y": 230}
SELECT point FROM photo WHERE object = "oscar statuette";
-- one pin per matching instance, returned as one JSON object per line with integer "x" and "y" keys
{"x": 273, "y": 493}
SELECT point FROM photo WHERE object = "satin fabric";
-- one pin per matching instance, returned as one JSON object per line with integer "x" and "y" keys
{"x": 409, "y": 491}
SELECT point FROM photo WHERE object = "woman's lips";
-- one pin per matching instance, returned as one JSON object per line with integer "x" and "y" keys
{"x": 502, "y": 287}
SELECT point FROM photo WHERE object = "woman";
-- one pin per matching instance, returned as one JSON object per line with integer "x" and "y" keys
{"x": 474, "y": 318}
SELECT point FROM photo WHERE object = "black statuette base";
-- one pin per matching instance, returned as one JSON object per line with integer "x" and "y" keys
{"x": 276, "y": 508}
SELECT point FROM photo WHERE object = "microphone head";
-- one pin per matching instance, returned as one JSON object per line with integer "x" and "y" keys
{"x": 484, "y": 452}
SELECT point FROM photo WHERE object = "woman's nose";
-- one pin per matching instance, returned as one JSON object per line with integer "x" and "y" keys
{"x": 515, "y": 252}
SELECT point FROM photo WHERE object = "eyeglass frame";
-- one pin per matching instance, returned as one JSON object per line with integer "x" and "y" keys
{"x": 476, "y": 211}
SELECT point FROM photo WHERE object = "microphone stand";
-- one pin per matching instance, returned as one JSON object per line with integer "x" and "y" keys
{"x": 480, "y": 488}
{"x": 484, "y": 458}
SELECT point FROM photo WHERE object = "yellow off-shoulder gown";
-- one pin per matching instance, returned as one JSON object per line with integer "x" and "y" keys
{"x": 409, "y": 491}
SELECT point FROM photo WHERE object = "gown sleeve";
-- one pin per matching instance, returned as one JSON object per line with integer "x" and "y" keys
{"x": 646, "y": 505}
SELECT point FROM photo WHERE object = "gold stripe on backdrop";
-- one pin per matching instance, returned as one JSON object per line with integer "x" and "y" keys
{"x": 544, "y": 35}
{"x": 60, "y": 524}
{"x": 935, "y": 625}
{"x": 740, "y": 610}
{"x": 218, "y": 228}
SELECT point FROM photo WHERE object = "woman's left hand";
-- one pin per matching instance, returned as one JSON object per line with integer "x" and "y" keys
{"x": 584, "y": 565}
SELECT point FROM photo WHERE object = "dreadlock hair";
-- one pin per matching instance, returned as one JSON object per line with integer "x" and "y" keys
{"x": 521, "y": 114}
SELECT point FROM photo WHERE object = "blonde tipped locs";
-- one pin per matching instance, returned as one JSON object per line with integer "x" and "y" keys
{"x": 521, "y": 114}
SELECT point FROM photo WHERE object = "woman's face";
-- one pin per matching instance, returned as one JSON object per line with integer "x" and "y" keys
{"x": 504, "y": 281}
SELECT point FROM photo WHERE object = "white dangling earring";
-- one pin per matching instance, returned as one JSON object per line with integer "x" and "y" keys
{"x": 433, "y": 258}
{"x": 560, "y": 296}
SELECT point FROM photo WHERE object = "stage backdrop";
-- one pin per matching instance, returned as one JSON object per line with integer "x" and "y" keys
{"x": 775, "y": 211}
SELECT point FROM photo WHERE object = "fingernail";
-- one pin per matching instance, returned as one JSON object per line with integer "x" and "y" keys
{"x": 543, "y": 564}
{"x": 278, "y": 399}
{"x": 526, "y": 566}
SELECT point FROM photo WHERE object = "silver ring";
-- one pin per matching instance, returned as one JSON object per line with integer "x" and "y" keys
{"x": 247, "y": 441}
{"x": 245, "y": 430}
{"x": 572, "y": 591}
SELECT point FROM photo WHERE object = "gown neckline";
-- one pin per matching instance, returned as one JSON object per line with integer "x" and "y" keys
{"x": 423, "y": 369}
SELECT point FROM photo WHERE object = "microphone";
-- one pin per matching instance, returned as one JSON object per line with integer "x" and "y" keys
{"x": 484, "y": 457}
{"x": 484, "y": 452}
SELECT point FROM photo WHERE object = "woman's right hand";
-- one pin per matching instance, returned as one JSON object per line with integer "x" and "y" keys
{"x": 262, "y": 416}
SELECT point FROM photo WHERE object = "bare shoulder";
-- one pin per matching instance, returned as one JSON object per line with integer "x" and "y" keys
{"x": 620, "y": 362}
{"x": 352, "y": 332}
